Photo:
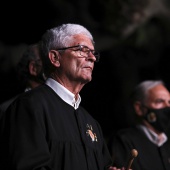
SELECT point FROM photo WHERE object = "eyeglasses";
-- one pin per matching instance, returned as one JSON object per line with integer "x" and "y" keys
{"x": 84, "y": 51}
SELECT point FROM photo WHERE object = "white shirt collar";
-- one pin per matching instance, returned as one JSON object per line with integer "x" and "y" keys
{"x": 65, "y": 94}
{"x": 153, "y": 137}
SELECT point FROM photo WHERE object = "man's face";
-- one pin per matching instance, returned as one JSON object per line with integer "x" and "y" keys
{"x": 156, "y": 112}
{"x": 158, "y": 97}
{"x": 74, "y": 66}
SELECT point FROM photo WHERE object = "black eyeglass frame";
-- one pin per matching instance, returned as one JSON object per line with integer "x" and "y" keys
{"x": 96, "y": 54}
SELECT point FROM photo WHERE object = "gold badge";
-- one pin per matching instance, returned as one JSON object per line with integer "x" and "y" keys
{"x": 90, "y": 133}
{"x": 152, "y": 117}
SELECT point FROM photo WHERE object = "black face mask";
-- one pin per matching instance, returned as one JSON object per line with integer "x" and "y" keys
{"x": 159, "y": 118}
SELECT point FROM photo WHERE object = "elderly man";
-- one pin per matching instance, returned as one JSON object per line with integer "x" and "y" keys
{"x": 151, "y": 103}
{"x": 46, "y": 128}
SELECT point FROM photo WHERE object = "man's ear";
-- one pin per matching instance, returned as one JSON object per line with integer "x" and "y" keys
{"x": 54, "y": 57}
{"x": 32, "y": 68}
{"x": 138, "y": 108}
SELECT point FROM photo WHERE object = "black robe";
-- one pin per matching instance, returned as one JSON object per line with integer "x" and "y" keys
{"x": 5, "y": 105}
{"x": 41, "y": 131}
{"x": 150, "y": 156}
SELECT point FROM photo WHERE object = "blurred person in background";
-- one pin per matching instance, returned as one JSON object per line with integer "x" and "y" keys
{"x": 151, "y": 105}
{"x": 29, "y": 73}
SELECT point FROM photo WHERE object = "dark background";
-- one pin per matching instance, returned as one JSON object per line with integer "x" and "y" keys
{"x": 133, "y": 37}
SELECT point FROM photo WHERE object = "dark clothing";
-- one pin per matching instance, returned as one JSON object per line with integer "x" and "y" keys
{"x": 150, "y": 156}
{"x": 5, "y": 105}
{"x": 43, "y": 132}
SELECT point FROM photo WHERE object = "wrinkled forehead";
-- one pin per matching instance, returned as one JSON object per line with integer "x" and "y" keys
{"x": 81, "y": 39}
{"x": 158, "y": 91}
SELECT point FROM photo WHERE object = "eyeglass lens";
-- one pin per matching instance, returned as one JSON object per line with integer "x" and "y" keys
{"x": 85, "y": 51}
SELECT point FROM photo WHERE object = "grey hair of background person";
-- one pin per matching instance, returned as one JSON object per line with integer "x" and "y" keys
{"x": 22, "y": 68}
{"x": 141, "y": 91}
{"x": 30, "y": 54}
{"x": 59, "y": 37}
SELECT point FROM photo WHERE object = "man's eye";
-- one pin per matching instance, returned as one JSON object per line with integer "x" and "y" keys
{"x": 78, "y": 49}
{"x": 159, "y": 101}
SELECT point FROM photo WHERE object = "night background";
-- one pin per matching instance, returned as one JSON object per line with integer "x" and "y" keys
{"x": 133, "y": 37}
